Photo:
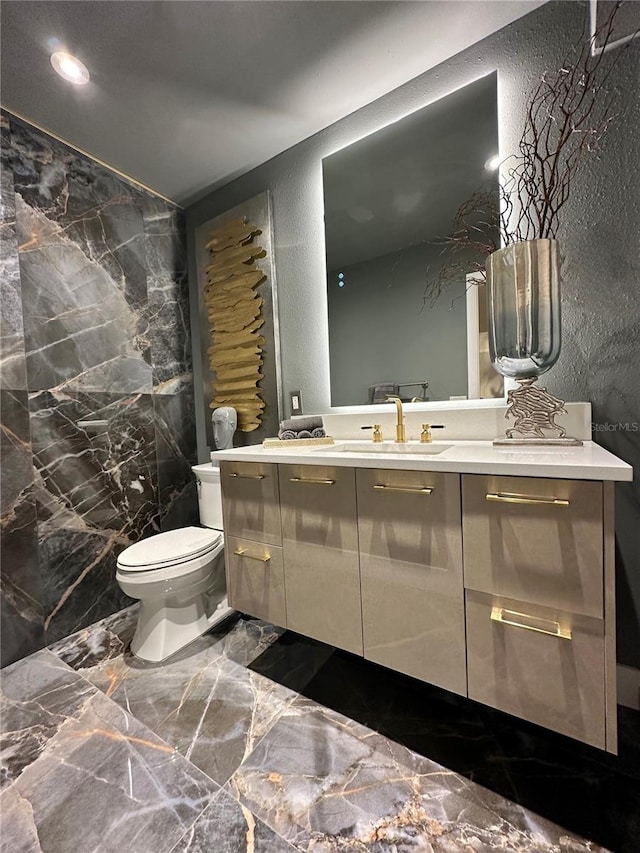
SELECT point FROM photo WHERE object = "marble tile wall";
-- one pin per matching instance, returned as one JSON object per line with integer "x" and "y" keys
{"x": 97, "y": 415}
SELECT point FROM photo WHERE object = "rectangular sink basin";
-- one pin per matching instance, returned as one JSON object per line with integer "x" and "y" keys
{"x": 413, "y": 448}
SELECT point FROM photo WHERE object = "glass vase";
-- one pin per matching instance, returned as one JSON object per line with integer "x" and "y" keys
{"x": 523, "y": 292}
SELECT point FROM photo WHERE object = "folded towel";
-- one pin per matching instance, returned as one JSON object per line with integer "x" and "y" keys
{"x": 296, "y": 424}
{"x": 310, "y": 427}
{"x": 287, "y": 434}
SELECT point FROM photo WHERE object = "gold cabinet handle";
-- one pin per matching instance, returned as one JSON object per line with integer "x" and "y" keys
{"x": 242, "y": 552}
{"x": 512, "y": 617}
{"x": 514, "y": 498}
{"x": 320, "y": 482}
{"x": 247, "y": 476}
{"x": 416, "y": 490}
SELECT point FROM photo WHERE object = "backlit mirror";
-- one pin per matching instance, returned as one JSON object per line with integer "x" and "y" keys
{"x": 389, "y": 200}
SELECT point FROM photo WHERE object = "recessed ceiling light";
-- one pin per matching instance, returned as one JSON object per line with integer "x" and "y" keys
{"x": 492, "y": 163}
{"x": 69, "y": 67}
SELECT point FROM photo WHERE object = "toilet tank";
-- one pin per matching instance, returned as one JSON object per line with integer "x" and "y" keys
{"x": 209, "y": 495}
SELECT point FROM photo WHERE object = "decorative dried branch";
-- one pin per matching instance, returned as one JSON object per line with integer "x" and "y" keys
{"x": 474, "y": 235}
{"x": 568, "y": 115}
{"x": 562, "y": 125}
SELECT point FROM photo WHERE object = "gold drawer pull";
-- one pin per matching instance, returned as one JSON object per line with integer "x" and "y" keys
{"x": 309, "y": 480}
{"x": 247, "y": 476}
{"x": 514, "y": 498}
{"x": 242, "y": 552}
{"x": 499, "y": 614}
{"x": 416, "y": 490}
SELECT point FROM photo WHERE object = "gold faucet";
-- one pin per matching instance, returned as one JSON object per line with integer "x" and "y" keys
{"x": 400, "y": 433}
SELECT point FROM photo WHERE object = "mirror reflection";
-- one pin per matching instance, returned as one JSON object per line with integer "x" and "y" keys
{"x": 389, "y": 200}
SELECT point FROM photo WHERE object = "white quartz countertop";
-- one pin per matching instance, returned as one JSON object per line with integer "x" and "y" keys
{"x": 589, "y": 462}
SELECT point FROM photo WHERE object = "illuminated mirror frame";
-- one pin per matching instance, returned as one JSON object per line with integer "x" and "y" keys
{"x": 472, "y": 301}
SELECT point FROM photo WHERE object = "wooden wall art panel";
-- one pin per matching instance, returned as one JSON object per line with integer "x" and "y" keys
{"x": 239, "y": 345}
{"x": 235, "y": 317}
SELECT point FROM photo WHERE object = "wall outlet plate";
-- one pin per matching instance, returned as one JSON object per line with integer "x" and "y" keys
{"x": 295, "y": 399}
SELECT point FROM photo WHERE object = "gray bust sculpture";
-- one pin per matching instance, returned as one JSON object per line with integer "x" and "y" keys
{"x": 225, "y": 421}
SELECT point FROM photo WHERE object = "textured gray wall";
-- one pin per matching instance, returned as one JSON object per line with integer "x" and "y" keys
{"x": 600, "y": 361}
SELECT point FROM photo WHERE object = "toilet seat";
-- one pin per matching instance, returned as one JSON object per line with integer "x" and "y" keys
{"x": 174, "y": 548}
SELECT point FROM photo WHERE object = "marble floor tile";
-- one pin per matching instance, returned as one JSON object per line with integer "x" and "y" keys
{"x": 585, "y": 789}
{"x": 321, "y": 785}
{"x": 84, "y": 773}
{"x": 388, "y": 766}
{"x": 227, "y": 827}
{"x": 293, "y": 661}
{"x": 19, "y": 831}
{"x": 589, "y": 792}
{"x": 105, "y": 640}
{"x": 241, "y": 640}
{"x": 38, "y": 695}
{"x": 210, "y": 709}
{"x": 430, "y": 721}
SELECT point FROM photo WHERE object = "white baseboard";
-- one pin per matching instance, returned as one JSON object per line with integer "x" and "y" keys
{"x": 628, "y": 686}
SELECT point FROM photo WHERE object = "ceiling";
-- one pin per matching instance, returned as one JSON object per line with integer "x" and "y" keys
{"x": 187, "y": 94}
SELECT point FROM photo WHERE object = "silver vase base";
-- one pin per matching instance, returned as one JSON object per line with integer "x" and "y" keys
{"x": 536, "y": 441}
{"x": 535, "y": 411}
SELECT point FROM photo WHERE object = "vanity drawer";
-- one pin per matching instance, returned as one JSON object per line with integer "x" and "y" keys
{"x": 255, "y": 579}
{"x": 543, "y": 665}
{"x": 411, "y": 570}
{"x": 320, "y": 546}
{"x": 535, "y": 540}
{"x": 251, "y": 501}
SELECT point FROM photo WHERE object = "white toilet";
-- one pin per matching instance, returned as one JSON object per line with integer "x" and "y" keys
{"x": 178, "y": 577}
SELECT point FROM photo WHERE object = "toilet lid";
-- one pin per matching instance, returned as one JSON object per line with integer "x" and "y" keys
{"x": 168, "y": 549}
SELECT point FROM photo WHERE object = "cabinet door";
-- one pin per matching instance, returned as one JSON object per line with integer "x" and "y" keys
{"x": 535, "y": 540}
{"x": 320, "y": 547}
{"x": 255, "y": 579}
{"x": 543, "y": 665}
{"x": 251, "y": 507}
{"x": 411, "y": 568}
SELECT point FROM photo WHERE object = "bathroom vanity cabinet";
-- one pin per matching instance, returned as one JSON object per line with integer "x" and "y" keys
{"x": 320, "y": 547}
{"x": 499, "y": 588}
{"x": 411, "y": 574}
{"x": 539, "y": 599}
{"x": 253, "y": 540}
